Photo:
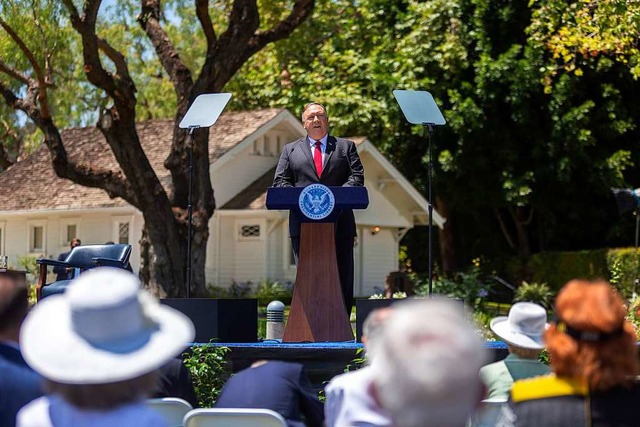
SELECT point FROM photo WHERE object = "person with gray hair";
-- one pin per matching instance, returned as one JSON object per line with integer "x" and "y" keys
{"x": 348, "y": 401}
{"x": 425, "y": 370}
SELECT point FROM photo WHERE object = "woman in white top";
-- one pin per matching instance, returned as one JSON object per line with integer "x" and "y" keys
{"x": 98, "y": 346}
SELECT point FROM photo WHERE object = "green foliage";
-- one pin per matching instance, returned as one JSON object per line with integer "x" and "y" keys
{"x": 539, "y": 293}
{"x": 265, "y": 292}
{"x": 623, "y": 266}
{"x": 619, "y": 266}
{"x": 483, "y": 320}
{"x": 235, "y": 290}
{"x": 469, "y": 285}
{"x": 634, "y": 315}
{"x": 209, "y": 371}
{"x": 358, "y": 362}
{"x": 268, "y": 291}
{"x": 557, "y": 268}
{"x": 544, "y": 357}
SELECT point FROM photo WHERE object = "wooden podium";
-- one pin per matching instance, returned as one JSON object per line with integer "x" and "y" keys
{"x": 317, "y": 308}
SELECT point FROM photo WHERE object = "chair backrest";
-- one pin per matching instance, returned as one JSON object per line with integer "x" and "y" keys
{"x": 84, "y": 256}
{"x": 172, "y": 409}
{"x": 487, "y": 414}
{"x": 237, "y": 417}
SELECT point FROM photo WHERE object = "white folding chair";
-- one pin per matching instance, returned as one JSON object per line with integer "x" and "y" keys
{"x": 487, "y": 413}
{"x": 172, "y": 409}
{"x": 236, "y": 417}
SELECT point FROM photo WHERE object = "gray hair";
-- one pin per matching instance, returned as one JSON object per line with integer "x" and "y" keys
{"x": 426, "y": 369}
{"x": 372, "y": 329}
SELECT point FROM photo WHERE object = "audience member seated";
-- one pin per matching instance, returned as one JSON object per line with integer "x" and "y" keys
{"x": 64, "y": 273}
{"x": 280, "y": 386}
{"x": 174, "y": 380}
{"x": 348, "y": 399}
{"x": 425, "y": 370}
{"x": 522, "y": 330}
{"x": 19, "y": 384}
{"x": 594, "y": 359}
{"x": 99, "y": 346}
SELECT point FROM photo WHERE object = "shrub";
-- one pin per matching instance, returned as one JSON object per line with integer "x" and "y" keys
{"x": 268, "y": 291}
{"x": 240, "y": 290}
{"x": 539, "y": 293}
{"x": 623, "y": 266}
{"x": 468, "y": 285}
{"x": 209, "y": 371}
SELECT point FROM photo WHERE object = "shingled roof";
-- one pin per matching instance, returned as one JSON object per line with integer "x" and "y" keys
{"x": 33, "y": 185}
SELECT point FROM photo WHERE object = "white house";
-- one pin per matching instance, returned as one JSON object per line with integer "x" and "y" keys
{"x": 40, "y": 213}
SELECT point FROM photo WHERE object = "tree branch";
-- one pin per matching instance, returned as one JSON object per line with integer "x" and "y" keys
{"x": 23, "y": 47}
{"x": 12, "y": 72}
{"x": 202, "y": 11}
{"x": 42, "y": 83}
{"x": 96, "y": 74}
{"x": 301, "y": 11}
{"x": 179, "y": 74}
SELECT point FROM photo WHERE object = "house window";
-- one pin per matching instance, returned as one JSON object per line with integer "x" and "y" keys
{"x": 279, "y": 143}
{"x": 72, "y": 232}
{"x": 249, "y": 231}
{"x": 69, "y": 230}
{"x": 37, "y": 233}
{"x": 123, "y": 233}
{"x": 256, "y": 148}
{"x": 121, "y": 229}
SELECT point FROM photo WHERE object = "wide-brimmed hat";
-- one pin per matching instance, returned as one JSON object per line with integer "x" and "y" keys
{"x": 104, "y": 329}
{"x": 524, "y": 326}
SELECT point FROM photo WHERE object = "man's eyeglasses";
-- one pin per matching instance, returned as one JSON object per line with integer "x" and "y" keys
{"x": 312, "y": 117}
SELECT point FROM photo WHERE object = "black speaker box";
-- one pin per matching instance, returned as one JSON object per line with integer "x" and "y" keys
{"x": 225, "y": 320}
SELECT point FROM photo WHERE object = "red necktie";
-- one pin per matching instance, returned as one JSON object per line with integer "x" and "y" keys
{"x": 317, "y": 158}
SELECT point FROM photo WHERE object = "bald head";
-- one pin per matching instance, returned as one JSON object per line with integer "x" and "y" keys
{"x": 14, "y": 305}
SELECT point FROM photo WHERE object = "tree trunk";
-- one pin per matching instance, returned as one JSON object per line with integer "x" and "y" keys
{"x": 447, "y": 243}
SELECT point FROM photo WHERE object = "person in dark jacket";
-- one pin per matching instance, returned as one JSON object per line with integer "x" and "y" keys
{"x": 174, "y": 380}
{"x": 280, "y": 386}
{"x": 594, "y": 359}
{"x": 19, "y": 384}
{"x": 65, "y": 273}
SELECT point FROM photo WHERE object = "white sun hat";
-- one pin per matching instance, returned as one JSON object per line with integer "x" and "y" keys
{"x": 104, "y": 329}
{"x": 524, "y": 326}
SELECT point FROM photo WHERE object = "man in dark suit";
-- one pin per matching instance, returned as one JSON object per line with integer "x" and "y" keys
{"x": 19, "y": 384}
{"x": 282, "y": 387}
{"x": 174, "y": 380}
{"x": 64, "y": 273}
{"x": 325, "y": 159}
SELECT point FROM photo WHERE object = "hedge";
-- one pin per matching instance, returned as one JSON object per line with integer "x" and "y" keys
{"x": 618, "y": 265}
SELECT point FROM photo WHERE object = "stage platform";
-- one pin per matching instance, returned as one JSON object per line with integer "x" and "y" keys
{"x": 322, "y": 360}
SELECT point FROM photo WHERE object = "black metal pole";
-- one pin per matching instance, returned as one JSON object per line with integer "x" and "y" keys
{"x": 429, "y": 129}
{"x": 635, "y": 277}
{"x": 189, "y": 211}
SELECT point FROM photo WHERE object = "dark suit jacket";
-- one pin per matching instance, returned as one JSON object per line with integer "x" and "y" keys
{"x": 62, "y": 273}
{"x": 342, "y": 167}
{"x": 174, "y": 381}
{"x": 280, "y": 386}
{"x": 19, "y": 384}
